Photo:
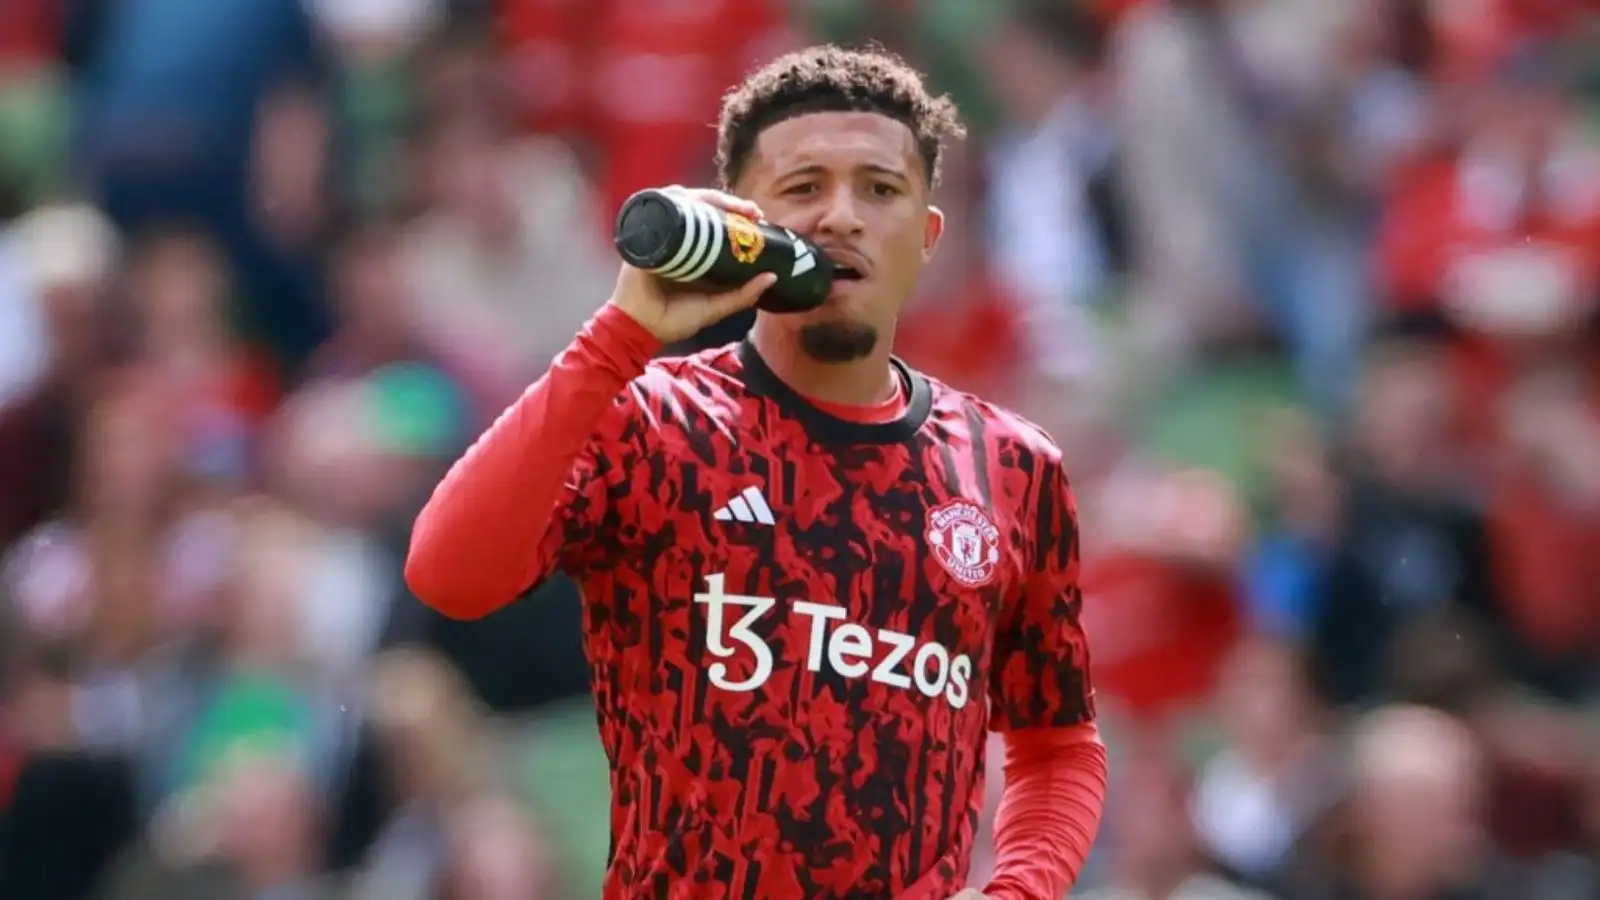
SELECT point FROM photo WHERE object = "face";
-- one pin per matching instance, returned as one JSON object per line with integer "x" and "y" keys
{"x": 1430, "y": 822}
{"x": 1405, "y": 411}
{"x": 853, "y": 184}
{"x": 1263, "y": 706}
{"x": 290, "y": 159}
{"x": 1026, "y": 73}
{"x": 372, "y": 289}
{"x": 463, "y": 169}
{"x": 179, "y": 288}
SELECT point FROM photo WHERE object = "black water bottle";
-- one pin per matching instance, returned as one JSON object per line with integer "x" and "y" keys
{"x": 691, "y": 242}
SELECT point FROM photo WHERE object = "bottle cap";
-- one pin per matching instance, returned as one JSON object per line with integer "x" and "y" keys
{"x": 649, "y": 230}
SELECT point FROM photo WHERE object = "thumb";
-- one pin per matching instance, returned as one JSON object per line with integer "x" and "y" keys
{"x": 743, "y": 297}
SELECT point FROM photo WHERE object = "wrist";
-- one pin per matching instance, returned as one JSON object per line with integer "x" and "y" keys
{"x": 639, "y": 312}
{"x": 613, "y": 326}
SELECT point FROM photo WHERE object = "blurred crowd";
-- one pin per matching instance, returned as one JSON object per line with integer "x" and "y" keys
{"x": 1305, "y": 289}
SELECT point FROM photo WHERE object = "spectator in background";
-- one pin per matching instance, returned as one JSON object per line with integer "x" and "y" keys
{"x": 1159, "y": 556}
{"x": 1411, "y": 826}
{"x": 1385, "y": 50}
{"x": 251, "y": 831}
{"x": 1288, "y": 568}
{"x": 267, "y": 685}
{"x": 1194, "y": 164}
{"x": 440, "y": 783}
{"x": 1534, "y": 758}
{"x": 1054, "y": 212}
{"x": 1544, "y": 518}
{"x": 354, "y": 456}
{"x": 494, "y": 854}
{"x": 1242, "y": 183}
{"x": 68, "y": 814}
{"x": 183, "y": 306}
{"x": 373, "y": 322}
{"x": 292, "y": 197}
{"x": 89, "y": 579}
{"x": 372, "y": 45}
{"x": 1154, "y": 855}
{"x": 960, "y": 296}
{"x": 201, "y": 514}
{"x": 638, "y": 82}
{"x": 1494, "y": 244}
{"x": 1040, "y": 218}
{"x": 1412, "y": 540}
{"x": 376, "y": 320}
{"x": 1275, "y": 776}
{"x": 169, "y": 93}
{"x": 64, "y": 258}
{"x": 507, "y": 259}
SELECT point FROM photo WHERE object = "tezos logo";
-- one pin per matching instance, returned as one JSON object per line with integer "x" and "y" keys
{"x": 847, "y": 649}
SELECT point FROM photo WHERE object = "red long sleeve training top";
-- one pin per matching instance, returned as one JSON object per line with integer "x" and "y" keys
{"x": 790, "y": 611}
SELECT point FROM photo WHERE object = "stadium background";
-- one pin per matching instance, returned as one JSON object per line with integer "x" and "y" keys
{"x": 1305, "y": 289}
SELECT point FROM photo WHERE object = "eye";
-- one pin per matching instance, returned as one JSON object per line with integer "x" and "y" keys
{"x": 884, "y": 189}
{"x": 802, "y": 189}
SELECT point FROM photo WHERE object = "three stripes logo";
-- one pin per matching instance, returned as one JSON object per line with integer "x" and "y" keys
{"x": 748, "y": 507}
{"x": 704, "y": 230}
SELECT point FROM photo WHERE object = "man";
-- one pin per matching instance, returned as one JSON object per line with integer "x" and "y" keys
{"x": 812, "y": 576}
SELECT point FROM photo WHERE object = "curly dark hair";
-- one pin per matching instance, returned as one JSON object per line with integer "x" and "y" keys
{"x": 830, "y": 78}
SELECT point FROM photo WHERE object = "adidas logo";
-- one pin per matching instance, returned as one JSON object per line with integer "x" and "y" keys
{"x": 749, "y": 506}
{"x": 804, "y": 258}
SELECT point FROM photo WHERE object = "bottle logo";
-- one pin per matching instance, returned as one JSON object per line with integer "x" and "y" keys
{"x": 804, "y": 258}
{"x": 744, "y": 238}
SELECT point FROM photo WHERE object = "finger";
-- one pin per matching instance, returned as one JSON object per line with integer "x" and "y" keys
{"x": 719, "y": 199}
{"x": 731, "y": 203}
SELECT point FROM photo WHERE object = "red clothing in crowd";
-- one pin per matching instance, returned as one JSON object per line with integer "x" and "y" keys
{"x": 1444, "y": 215}
{"x": 1452, "y": 211}
{"x": 973, "y": 339}
{"x": 1161, "y": 630}
{"x": 1547, "y": 560}
{"x": 10, "y": 768}
{"x": 642, "y": 80}
{"x": 1473, "y": 37}
{"x": 27, "y": 31}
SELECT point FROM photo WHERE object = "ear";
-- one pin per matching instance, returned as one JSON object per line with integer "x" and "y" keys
{"x": 932, "y": 231}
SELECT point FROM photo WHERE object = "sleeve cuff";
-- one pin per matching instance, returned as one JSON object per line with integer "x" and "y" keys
{"x": 620, "y": 334}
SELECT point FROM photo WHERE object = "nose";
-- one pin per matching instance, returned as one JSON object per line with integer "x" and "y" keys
{"x": 840, "y": 215}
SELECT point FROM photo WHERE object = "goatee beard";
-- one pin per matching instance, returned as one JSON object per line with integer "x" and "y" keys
{"x": 838, "y": 342}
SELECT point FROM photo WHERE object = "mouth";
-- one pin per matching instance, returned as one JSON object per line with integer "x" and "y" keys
{"x": 848, "y": 265}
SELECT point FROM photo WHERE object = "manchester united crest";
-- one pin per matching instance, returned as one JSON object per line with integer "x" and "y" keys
{"x": 965, "y": 542}
{"x": 744, "y": 238}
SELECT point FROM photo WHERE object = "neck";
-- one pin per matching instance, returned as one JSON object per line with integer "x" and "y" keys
{"x": 863, "y": 382}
